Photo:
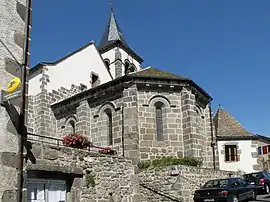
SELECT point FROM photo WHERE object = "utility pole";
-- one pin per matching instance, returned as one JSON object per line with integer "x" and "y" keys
{"x": 24, "y": 98}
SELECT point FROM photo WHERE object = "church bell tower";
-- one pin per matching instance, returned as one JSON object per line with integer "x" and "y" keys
{"x": 119, "y": 58}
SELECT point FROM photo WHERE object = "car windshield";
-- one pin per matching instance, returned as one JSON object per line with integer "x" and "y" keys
{"x": 267, "y": 174}
{"x": 253, "y": 176}
{"x": 216, "y": 184}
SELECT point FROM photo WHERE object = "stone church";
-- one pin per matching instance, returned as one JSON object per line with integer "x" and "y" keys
{"x": 105, "y": 93}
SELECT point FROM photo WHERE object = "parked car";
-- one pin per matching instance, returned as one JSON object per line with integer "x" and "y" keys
{"x": 229, "y": 190}
{"x": 260, "y": 179}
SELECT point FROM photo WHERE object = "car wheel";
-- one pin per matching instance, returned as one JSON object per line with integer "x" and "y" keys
{"x": 267, "y": 189}
{"x": 235, "y": 199}
{"x": 254, "y": 195}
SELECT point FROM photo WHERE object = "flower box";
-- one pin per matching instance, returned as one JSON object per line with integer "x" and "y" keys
{"x": 107, "y": 150}
{"x": 76, "y": 141}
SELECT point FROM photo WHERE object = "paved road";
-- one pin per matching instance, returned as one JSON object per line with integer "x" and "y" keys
{"x": 262, "y": 198}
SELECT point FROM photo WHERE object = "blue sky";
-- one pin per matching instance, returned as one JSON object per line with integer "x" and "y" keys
{"x": 224, "y": 46}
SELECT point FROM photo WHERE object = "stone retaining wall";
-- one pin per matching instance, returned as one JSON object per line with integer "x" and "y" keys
{"x": 89, "y": 176}
{"x": 101, "y": 178}
{"x": 179, "y": 183}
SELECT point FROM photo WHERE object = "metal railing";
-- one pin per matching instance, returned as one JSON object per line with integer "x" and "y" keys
{"x": 58, "y": 143}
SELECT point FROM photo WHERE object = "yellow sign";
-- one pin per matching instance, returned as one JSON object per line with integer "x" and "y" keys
{"x": 13, "y": 85}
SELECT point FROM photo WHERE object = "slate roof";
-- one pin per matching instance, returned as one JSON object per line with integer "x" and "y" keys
{"x": 114, "y": 37}
{"x": 226, "y": 125}
{"x": 153, "y": 72}
{"x": 112, "y": 32}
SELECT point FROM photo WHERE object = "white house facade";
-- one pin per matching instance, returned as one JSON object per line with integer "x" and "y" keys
{"x": 237, "y": 148}
{"x": 237, "y": 155}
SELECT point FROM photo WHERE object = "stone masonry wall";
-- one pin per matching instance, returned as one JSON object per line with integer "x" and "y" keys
{"x": 196, "y": 128}
{"x": 179, "y": 185}
{"x": 41, "y": 119}
{"x": 186, "y": 126}
{"x": 99, "y": 121}
{"x": 100, "y": 178}
{"x": 172, "y": 143}
{"x": 111, "y": 178}
{"x": 89, "y": 117}
{"x": 11, "y": 35}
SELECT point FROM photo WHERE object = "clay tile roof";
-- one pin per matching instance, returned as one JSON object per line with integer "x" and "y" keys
{"x": 153, "y": 72}
{"x": 227, "y": 125}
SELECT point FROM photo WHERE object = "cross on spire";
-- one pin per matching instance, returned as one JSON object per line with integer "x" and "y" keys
{"x": 112, "y": 32}
{"x": 110, "y": 3}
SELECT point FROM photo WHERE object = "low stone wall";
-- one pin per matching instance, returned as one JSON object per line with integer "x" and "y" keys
{"x": 176, "y": 183}
{"x": 89, "y": 176}
{"x": 93, "y": 177}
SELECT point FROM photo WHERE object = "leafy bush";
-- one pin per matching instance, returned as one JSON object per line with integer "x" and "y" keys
{"x": 168, "y": 161}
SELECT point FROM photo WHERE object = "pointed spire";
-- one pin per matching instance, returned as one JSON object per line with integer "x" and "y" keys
{"x": 112, "y": 32}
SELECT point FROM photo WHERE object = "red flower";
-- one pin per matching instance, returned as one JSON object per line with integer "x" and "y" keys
{"x": 76, "y": 140}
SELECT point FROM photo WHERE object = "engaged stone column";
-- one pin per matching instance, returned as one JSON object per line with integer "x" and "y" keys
{"x": 118, "y": 63}
{"x": 131, "y": 134}
{"x": 189, "y": 123}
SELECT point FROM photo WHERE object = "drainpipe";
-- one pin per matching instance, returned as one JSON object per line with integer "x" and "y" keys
{"x": 212, "y": 135}
{"x": 123, "y": 132}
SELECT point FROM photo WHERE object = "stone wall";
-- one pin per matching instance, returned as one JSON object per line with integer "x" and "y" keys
{"x": 176, "y": 183}
{"x": 11, "y": 35}
{"x": 172, "y": 143}
{"x": 186, "y": 126}
{"x": 112, "y": 178}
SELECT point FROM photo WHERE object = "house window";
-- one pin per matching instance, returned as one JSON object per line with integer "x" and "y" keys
{"x": 109, "y": 126}
{"x": 230, "y": 153}
{"x": 159, "y": 121}
{"x": 264, "y": 149}
{"x": 39, "y": 190}
{"x": 259, "y": 150}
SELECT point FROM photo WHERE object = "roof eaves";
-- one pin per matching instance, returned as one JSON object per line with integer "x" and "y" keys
{"x": 176, "y": 79}
{"x": 263, "y": 137}
{"x": 236, "y": 137}
{"x": 89, "y": 91}
{"x": 200, "y": 89}
{"x": 63, "y": 58}
{"x": 119, "y": 43}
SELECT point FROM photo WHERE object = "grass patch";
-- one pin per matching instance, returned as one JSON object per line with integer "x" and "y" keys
{"x": 168, "y": 161}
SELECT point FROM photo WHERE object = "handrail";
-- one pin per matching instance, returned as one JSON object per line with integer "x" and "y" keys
{"x": 166, "y": 195}
{"x": 58, "y": 141}
{"x": 47, "y": 137}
